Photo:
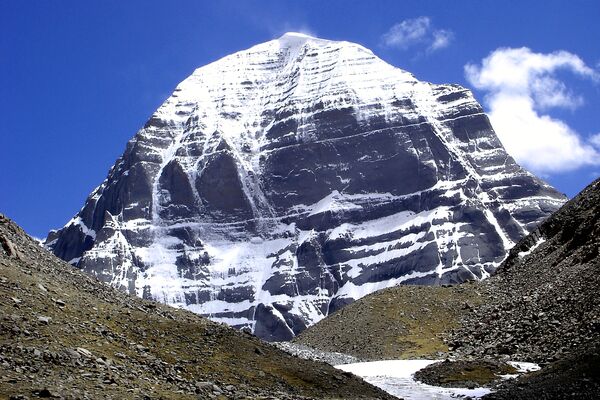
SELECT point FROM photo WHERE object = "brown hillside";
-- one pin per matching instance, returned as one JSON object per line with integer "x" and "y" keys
{"x": 64, "y": 334}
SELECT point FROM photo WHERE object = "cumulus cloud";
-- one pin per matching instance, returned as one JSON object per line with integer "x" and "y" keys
{"x": 417, "y": 31}
{"x": 521, "y": 87}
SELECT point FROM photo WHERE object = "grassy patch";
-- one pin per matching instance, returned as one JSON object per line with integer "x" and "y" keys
{"x": 403, "y": 322}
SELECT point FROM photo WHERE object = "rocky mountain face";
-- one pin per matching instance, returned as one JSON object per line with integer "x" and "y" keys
{"x": 65, "y": 335}
{"x": 282, "y": 182}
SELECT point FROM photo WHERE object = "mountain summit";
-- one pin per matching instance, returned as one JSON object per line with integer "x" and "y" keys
{"x": 282, "y": 182}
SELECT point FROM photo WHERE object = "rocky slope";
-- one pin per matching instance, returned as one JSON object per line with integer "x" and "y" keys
{"x": 66, "y": 335}
{"x": 544, "y": 302}
{"x": 574, "y": 376}
{"x": 284, "y": 181}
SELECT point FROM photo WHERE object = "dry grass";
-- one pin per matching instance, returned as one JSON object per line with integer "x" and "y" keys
{"x": 404, "y": 322}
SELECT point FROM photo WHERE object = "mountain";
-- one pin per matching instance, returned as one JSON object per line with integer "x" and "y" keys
{"x": 541, "y": 305}
{"x": 282, "y": 182}
{"x": 64, "y": 334}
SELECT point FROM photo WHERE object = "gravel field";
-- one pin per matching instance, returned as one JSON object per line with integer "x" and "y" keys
{"x": 308, "y": 353}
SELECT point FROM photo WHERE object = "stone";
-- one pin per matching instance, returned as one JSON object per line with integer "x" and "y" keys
{"x": 45, "y": 393}
{"x": 84, "y": 352}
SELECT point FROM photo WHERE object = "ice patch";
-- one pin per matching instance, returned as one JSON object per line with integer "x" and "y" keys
{"x": 397, "y": 378}
{"x": 522, "y": 367}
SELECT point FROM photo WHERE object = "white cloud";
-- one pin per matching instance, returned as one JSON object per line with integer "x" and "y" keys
{"x": 521, "y": 87}
{"x": 595, "y": 140}
{"x": 417, "y": 31}
{"x": 441, "y": 39}
{"x": 285, "y": 27}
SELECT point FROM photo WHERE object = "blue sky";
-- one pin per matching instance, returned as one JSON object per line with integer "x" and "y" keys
{"x": 79, "y": 78}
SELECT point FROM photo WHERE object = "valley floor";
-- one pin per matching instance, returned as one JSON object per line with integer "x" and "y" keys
{"x": 397, "y": 377}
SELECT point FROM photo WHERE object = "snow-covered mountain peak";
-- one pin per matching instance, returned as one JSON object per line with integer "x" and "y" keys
{"x": 298, "y": 35}
{"x": 300, "y": 50}
{"x": 283, "y": 181}
{"x": 295, "y": 39}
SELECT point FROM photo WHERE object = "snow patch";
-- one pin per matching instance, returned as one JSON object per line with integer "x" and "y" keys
{"x": 77, "y": 221}
{"x": 335, "y": 202}
{"x": 396, "y": 378}
{"x": 532, "y": 248}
